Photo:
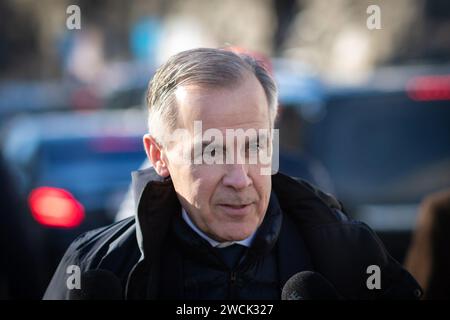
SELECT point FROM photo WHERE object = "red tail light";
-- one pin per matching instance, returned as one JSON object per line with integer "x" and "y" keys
{"x": 429, "y": 88}
{"x": 55, "y": 207}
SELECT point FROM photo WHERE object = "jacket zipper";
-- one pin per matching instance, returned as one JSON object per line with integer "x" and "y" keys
{"x": 233, "y": 277}
{"x": 231, "y": 291}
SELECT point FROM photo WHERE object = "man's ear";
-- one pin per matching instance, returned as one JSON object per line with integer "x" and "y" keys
{"x": 155, "y": 155}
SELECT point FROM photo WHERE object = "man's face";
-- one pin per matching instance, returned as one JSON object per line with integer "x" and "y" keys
{"x": 226, "y": 201}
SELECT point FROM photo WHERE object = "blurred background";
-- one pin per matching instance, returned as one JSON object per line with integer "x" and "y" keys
{"x": 364, "y": 115}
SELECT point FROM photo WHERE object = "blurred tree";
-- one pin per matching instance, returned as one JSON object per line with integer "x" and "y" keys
{"x": 285, "y": 11}
{"x": 18, "y": 42}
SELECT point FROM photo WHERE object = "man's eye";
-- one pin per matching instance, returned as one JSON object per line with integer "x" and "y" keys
{"x": 255, "y": 146}
{"x": 213, "y": 152}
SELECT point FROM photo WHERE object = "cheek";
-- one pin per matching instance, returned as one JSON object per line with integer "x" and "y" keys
{"x": 263, "y": 186}
{"x": 262, "y": 183}
{"x": 197, "y": 184}
{"x": 182, "y": 177}
{"x": 205, "y": 182}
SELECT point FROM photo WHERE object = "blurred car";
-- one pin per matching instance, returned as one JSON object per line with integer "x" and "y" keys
{"x": 34, "y": 97}
{"x": 301, "y": 101}
{"x": 72, "y": 171}
{"x": 386, "y": 144}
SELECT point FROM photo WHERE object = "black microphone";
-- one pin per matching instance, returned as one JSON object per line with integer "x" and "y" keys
{"x": 98, "y": 285}
{"x": 308, "y": 285}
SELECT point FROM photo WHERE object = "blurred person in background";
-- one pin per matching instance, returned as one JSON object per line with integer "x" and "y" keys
{"x": 225, "y": 231}
{"x": 428, "y": 257}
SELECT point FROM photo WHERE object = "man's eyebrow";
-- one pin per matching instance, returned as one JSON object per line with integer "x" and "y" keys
{"x": 214, "y": 143}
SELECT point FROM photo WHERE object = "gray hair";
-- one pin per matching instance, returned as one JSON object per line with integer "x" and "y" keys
{"x": 214, "y": 68}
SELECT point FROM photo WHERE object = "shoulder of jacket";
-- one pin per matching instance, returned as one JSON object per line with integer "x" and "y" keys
{"x": 98, "y": 240}
{"x": 307, "y": 202}
{"x": 330, "y": 200}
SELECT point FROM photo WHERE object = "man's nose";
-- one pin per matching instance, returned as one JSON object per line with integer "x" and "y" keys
{"x": 237, "y": 176}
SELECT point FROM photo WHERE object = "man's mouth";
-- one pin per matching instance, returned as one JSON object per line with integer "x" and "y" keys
{"x": 236, "y": 206}
{"x": 236, "y": 209}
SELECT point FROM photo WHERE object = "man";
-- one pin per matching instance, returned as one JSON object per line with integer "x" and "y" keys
{"x": 427, "y": 257}
{"x": 211, "y": 229}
